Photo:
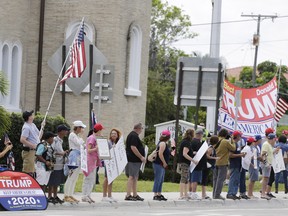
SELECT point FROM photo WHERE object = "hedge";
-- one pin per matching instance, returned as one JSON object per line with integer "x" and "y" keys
{"x": 15, "y": 132}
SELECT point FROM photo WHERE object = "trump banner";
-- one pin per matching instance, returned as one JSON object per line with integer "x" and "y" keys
{"x": 255, "y": 108}
{"x": 20, "y": 191}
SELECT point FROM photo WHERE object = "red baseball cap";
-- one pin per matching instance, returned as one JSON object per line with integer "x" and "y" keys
{"x": 269, "y": 130}
{"x": 98, "y": 127}
{"x": 237, "y": 133}
{"x": 251, "y": 139}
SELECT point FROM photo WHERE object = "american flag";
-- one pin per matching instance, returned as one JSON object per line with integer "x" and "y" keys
{"x": 77, "y": 56}
{"x": 93, "y": 118}
{"x": 281, "y": 108}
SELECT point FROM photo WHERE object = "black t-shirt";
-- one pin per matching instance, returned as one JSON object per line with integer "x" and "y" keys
{"x": 185, "y": 143}
{"x": 196, "y": 145}
{"x": 134, "y": 140}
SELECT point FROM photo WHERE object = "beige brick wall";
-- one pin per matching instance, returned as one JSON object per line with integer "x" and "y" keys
{"x": 111, "y": 20}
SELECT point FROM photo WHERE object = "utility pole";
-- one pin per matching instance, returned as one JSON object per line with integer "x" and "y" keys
{"x": 256, "y": 38}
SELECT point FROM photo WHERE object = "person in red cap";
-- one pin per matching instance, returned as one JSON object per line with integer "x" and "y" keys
{"x": 93, "y": 162}
{"x": 160, "y": 164}
{"x": 254, "y": 167}
{"x": 246, "y": 164}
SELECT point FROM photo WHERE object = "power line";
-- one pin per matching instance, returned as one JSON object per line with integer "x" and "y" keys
{"x": 234, "y": 43}
{"x": 256, "y": 37}
{"x": 231, "y": 21}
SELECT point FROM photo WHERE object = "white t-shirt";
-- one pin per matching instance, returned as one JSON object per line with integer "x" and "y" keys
{"x": 246, "y": 161}
{"x": 57, "y": 146}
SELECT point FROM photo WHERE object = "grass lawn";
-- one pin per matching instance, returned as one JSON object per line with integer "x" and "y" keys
{"x": 119, "y": 185}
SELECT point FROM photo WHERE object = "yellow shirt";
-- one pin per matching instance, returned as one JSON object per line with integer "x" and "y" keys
{"x": 266, "y": 147}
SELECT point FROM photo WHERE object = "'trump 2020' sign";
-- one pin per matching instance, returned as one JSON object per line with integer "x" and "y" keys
{"x": 256, "y": 112}
{"x": 19, "y": 191}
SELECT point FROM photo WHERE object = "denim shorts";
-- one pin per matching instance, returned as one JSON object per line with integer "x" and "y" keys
{"x": 266, "y": 170}
{"x": 196, "y": 176}
{"x": 253, "y": 174}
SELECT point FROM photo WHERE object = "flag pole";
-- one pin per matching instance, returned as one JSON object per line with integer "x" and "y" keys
{"x": 57, "y": 82}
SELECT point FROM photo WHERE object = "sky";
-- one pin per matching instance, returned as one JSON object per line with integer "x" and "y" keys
{"x": 236, "y": 37}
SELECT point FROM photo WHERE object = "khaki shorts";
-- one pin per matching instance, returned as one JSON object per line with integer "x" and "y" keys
{"x": 28, "y": 161}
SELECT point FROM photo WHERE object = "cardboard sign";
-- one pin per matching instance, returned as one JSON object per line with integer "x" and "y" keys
{"x": 118, "y": 161}
{"x": 103, "y": 148}
{"x": 19, "y": 191}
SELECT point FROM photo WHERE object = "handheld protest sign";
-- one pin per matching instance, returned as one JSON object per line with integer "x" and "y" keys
{"x": 103, "y": 148}
{"x": 20, "y": 191}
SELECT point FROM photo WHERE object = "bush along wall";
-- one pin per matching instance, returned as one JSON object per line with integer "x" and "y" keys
{"x": 14, "y": 133}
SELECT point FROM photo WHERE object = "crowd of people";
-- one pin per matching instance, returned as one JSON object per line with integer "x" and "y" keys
{"x": 227, "y": 153}
{"x": 44, "y": 159}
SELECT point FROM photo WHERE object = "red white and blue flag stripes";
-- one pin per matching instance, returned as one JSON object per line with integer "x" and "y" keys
{"x": 77, "y": 56}
{"x": 281, "y": 108}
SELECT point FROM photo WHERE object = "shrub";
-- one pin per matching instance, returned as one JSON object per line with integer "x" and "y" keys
{"x": 15, "y": 132}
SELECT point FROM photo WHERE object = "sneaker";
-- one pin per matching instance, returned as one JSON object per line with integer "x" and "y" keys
{"x": 51, "y": 200}
{"x": 183, "y": 198}
{"x": 58, "y": 200}
{"x": 157, "y": 198}
{"x": 68, "y": 199}
{"x": 138, "y": 198}
{"x": 195, "y": 196}
{"x": 93, "y": 201}
{"x": 86, "y": 199}
{"x": 162, "y": 198}
{"x": 75, "y": 200}
{"x": 219, "y": 197}
{"x": 253, "y": 197}
{"x": 270, "y": 195}
{"x": 130, "y": 198}
{"x": 231, "y": 196}
{"x": 244, "y": 196}
{"x": 206, "y": 197}
{"x": 265, "y": 197}
{"x": 106, "y": 199}
{"x": 113, "y": 199}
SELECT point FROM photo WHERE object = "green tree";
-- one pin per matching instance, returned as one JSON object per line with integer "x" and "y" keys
{"x": 246, "y": 77}
{"x": 5, "y": 122}
{"x": 267, "y": 66}
{"x": 168, "y": 25}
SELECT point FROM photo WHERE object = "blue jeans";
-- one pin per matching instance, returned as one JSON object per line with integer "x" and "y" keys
{"x": 234, "y": 181}
{"x": 284, "y": 173}
{"x": 242, "y": 185}
{"x": 159, "y": 174}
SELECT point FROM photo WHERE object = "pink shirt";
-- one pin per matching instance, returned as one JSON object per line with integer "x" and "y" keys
{"x": 93, "y": 157}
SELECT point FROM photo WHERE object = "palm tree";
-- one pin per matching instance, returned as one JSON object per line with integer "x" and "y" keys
{"x": 5, "y": 121}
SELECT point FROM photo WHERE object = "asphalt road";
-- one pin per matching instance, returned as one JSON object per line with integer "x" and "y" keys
{"x": 156, "y": 211}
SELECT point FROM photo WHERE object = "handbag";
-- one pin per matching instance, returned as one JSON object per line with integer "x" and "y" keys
{"x": 152, "y": 157}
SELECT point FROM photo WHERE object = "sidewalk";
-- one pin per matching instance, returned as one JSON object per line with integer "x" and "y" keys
{"x": 281, "y": 200}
